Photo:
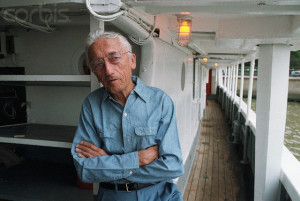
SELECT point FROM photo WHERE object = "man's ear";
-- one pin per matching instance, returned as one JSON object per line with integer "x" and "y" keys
{"x": 132, "y": 61}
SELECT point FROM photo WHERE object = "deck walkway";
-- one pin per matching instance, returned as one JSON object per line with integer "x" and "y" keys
{"x": 214, "y": 173}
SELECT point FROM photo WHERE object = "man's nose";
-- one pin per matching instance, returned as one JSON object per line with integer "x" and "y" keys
{"x": 109, "y": 68}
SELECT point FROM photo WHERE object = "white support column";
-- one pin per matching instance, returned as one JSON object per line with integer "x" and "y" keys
{"x": 229, "y": 81}
{"x": 236, "y": 79}
{"x": 225, "y": 79}
{"x": 95, "y": 25}
{"x": 218, "y": 77}
{"x": 201, "y": 91}
{"x": 214, "y": 85}
{"x": 249, "y": 98}
{"x": 272, "y": 92}
{"x": 221, "y": 78}
{"x": 233, "y": 82}
{"x": 242, "y": 84}
{"x": 215, "y": 71}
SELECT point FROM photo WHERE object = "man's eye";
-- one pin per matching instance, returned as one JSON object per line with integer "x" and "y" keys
{"x": 99, "y": 64}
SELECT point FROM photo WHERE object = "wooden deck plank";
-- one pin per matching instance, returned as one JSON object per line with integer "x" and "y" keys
{"x": 215, "y": 171}
{"x": 188, "y": 187}
{"x": 197, "y": 172}
{"x": 212, "y": 177}
{"x": 201, "y": 184}
{"x": 222, "y": 134}
{"x": 208, "y": 175}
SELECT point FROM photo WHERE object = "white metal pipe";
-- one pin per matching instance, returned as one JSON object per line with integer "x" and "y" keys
{"x": 249, "y": 101}
{"x": 242, "y": 84}
{"x": 147, "y": 53}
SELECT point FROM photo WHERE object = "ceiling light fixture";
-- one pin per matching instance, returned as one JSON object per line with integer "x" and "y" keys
{"x": 184, "y": 27}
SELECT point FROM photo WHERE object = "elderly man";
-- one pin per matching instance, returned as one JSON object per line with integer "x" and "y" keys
{"x": 127, "y": 134}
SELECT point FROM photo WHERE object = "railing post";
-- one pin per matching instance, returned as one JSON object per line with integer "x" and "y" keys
{"x": 235, "y": 89}
{"x": 226, "y": 77}
{"x": 225, "y": 89}
{"x": 228, "y": 92}
{"x": 271, "y": 105}
{"x": 242, "y": 84}
{"x": 220, "y": 77}
{"x": 249, "y": 100}
{"x": 233, "y": 92}
{"x": 220, "y": 84}
{"x": 236, "y": 80}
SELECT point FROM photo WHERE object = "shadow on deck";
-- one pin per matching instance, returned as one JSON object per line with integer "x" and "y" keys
{"x": 216, "y": 172}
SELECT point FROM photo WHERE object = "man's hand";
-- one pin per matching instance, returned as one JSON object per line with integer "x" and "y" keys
{"x": 86, "y": 149}
{"x": 148, "y": 155}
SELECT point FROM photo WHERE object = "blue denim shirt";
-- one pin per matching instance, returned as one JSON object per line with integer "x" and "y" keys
{"x": 147, "y": 119}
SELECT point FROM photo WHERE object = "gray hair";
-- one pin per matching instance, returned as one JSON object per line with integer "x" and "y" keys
{"x": 94, "y": 36}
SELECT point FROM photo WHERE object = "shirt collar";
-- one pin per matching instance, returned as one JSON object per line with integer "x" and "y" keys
{"x": 139, "y": 89}
{"x": 106, "y": 95}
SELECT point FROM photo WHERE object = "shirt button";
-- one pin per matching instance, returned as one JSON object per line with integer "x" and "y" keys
{"x": 125, "y": 114}
{"x": 130, "y": 172}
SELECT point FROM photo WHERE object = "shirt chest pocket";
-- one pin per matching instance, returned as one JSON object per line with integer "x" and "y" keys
{"x": 146, "y": 135}
{"x": 112, "y": 140}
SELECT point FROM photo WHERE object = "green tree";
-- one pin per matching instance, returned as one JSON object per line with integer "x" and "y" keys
{"x": 295, "y": 60}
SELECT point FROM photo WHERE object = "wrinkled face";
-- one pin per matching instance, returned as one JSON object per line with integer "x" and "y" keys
{"x": 115, "y": 73}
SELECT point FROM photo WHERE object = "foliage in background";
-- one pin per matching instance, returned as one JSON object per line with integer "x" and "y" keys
{"x": 294, "y": 63}
{"x": 295, "y": 60}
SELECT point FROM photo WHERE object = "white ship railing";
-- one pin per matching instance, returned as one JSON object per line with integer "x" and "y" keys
{"x": 290, "y": 166}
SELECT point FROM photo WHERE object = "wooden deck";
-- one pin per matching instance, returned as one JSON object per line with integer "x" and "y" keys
{"x": 213, "y": 176}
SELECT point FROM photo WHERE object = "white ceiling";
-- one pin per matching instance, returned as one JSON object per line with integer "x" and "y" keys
{"x": 223, "y": 29}
{"x": 232, "y": 29}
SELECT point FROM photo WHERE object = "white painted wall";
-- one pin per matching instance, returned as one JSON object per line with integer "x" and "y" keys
{"x": 167, "y": 76}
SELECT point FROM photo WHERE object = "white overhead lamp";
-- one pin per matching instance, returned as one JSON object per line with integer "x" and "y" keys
{"x": 184, "y": 26}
